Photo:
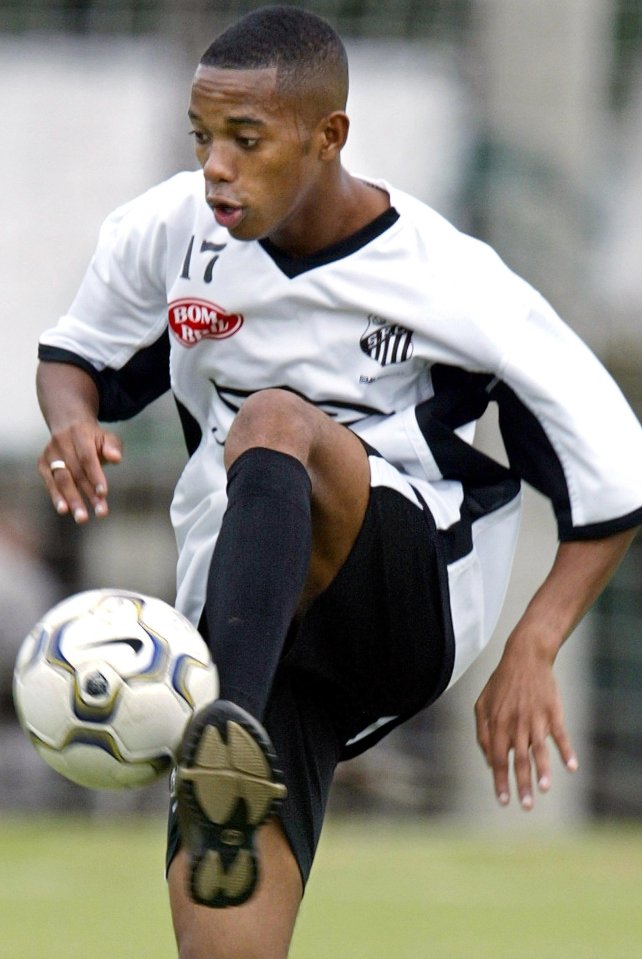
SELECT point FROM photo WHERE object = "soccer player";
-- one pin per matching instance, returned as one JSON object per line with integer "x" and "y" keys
{"x": 330, "y": 342}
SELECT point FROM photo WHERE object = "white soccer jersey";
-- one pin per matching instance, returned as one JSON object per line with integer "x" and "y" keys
{"x": 405, "y": 332}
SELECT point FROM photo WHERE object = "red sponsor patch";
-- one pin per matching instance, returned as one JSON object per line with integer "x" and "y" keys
{"x": 194, "y": 320}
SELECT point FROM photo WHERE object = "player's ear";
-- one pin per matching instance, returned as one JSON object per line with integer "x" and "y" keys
{"x": 333, "y": 133}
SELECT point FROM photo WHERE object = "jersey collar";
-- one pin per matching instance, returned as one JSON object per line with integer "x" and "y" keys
{"x": 294, "y": 266}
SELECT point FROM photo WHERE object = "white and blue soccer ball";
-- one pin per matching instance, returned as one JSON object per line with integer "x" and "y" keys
{"x": 105, "y": 684}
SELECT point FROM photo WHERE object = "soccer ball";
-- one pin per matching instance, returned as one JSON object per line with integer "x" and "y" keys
{"x": 105, "y": 684}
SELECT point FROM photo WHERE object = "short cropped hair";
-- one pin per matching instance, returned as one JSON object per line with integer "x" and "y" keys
{"x": 306, "y": 51}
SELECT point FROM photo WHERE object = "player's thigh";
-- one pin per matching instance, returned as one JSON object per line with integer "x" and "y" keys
{"x": 259, "y": 929}
{"x": 335, "y": 459}
{"x": 340, "y": 475}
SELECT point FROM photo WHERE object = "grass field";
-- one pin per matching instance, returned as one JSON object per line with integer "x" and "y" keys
{"x": 70, "y": 889}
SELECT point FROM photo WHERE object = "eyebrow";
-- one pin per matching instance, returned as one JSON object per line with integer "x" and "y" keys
{"x": 246, "y": 121}
{"x": 235, "y": 121}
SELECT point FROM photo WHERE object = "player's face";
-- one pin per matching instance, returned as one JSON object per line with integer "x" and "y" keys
{"x": 260, "y": 159}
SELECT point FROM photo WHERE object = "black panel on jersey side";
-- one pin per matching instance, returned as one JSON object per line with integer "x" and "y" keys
{"x": 192, "y": 432}
{"x": 123, "y": 393}
{"x": 531, "y": 454}
{"x": 459, "y": 395}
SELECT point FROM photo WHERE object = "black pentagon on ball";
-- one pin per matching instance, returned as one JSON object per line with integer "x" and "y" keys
{"x": 96, "y": 684}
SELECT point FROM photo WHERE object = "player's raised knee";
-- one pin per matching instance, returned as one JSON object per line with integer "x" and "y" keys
{"x": 277, "y": 419}
{"x": 275, "y": 402}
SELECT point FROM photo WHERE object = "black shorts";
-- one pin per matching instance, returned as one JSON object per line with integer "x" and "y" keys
{"x": 370, "y": 652}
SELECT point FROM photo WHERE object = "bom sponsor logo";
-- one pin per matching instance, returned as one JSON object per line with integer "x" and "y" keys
{"x": 194, "y": 320}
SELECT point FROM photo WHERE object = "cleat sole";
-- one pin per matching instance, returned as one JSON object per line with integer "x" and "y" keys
{"x": 227, "y": 786}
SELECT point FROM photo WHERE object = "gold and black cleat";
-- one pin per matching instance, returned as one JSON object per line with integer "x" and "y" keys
{"x": 227, "y": 785}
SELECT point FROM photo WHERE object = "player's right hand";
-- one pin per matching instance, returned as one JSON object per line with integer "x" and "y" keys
{"x": 71, "y": 467}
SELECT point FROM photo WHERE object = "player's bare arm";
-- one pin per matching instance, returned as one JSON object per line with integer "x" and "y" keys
{"x": 520, "y": 706}
{"x": 71, "y": 464}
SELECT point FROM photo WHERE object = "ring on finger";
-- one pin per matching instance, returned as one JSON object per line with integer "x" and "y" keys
{"x": 57, "y": 465}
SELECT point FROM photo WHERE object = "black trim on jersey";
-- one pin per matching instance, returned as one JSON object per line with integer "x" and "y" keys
{"x": 478, "y": 500}
{"x": 53, "y": 354}
{"x": 606, "y": 528}
{"x": 123, "y": 393}
{"x": 531, "y": 453}
{"x": 192, "y": 432}
{"x": 459, "y": 398}
{"x": 487, "y": 485}
{"x": 294, "y": 266}
{"x": 225, "y": 393}
{"x": 459, "y": 395}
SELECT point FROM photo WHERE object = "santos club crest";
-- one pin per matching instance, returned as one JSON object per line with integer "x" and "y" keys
{"x": 386, "y": 342}
{"x": 194, "y": 320}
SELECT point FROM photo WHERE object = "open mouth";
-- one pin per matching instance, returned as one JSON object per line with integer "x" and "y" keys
{"x": 226, "y": 214}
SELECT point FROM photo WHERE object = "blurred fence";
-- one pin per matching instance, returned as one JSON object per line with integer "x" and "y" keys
{"x": 551, "y": 177}
{"x": 395, "y": 18}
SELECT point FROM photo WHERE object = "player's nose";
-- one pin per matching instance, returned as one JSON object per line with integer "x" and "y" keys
{"x": 219, "y": 166}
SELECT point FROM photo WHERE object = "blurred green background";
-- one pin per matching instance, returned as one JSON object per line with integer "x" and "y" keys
{"x": 379, "y": 890}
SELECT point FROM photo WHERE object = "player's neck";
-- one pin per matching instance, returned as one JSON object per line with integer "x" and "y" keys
{"x": 344, "y": 206}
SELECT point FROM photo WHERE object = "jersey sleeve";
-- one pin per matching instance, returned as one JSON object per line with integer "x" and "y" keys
{"x": 116, "y": 327}
{"x": 567, "y": 428}
{"x": 122, "y": 393}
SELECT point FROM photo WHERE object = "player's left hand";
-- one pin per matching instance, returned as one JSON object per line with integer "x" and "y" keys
{"x": 71, "y": 467}
{"x": 517, "y": 712}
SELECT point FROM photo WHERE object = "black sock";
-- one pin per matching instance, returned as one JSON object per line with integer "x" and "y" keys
{"x": 258, "y": 570}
